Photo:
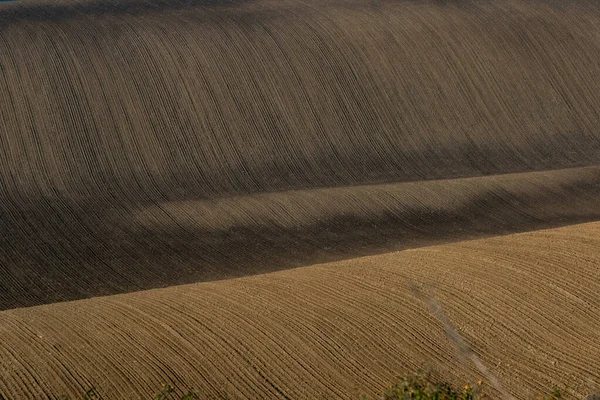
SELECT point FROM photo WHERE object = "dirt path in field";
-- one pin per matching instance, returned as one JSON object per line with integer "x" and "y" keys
{"x": 528, "y": 304}
{"x": 151, "y": 143}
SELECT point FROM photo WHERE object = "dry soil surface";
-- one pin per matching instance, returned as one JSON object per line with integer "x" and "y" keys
{"x": 243, "y": 155}
{"x": 528, "y": 304}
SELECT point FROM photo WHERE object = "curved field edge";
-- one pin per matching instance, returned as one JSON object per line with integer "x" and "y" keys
{"x": 528, "y": 304}
{"x": 137, "y": 135}
{"x": 56, "y": 249}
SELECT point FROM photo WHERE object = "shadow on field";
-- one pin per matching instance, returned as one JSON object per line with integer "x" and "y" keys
{"x": 152, "y": 143}
{"x": 54, "y": 250}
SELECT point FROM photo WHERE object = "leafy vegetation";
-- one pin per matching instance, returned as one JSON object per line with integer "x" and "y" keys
{"x": 419, "y": 386}
{"x": 168, "y": 393}
{"x": 422, "y": 387}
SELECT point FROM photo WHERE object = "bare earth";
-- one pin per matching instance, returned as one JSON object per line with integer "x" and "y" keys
{"x": 239, "y": 195}
{"x": 529, "y": 304}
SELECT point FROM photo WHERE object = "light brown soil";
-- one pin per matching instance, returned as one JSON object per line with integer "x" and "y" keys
{"x": 529, "y": 304}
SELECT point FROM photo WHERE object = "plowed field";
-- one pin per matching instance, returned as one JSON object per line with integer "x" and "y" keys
{"x": 238, "y": 195}
{"x": 529, "y": 305}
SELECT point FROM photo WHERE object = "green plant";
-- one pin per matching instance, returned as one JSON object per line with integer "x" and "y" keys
{"x": 556, "y": 394}
{"x": 91, "y": 394}
{"x": 422, "y": 387}
{"x": 191, "y": 394}
{"x": 167, "y": 392}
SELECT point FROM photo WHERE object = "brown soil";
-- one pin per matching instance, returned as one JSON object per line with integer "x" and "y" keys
{"x": 149, "y": 144}
{"x": 529, "y": 305}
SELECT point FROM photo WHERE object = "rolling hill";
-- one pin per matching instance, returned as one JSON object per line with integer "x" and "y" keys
{"x": 176, "y": 176}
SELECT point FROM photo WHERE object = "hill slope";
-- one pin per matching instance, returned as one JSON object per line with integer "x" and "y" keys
{"x": 147, "y": 144}
{"x": 529, "y": 304}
